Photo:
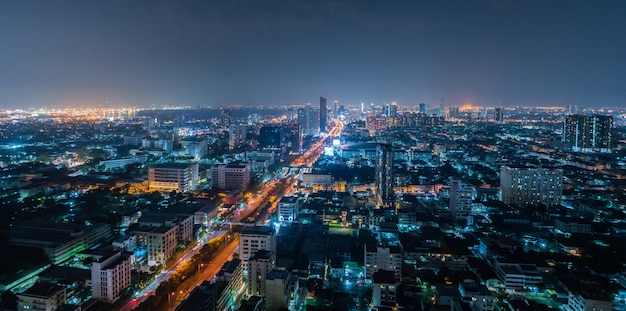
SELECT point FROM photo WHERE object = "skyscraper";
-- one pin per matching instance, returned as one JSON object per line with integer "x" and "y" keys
{"x": 227, "y": 118}
{"x": 323, "y": 114}
{"x": 499, "y": 114}
{"x": 422, "y": 108}
{"x": 384, "y": 175}
{"x": 588, "y": 133}
{"x": 307, "y": 117}
{"x": 524, "y": 185}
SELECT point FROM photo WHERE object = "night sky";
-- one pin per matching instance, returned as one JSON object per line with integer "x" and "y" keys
{"x": 223, "y": 52}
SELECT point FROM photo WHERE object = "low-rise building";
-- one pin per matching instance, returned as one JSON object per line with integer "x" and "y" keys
{"x": 42, "y": 297}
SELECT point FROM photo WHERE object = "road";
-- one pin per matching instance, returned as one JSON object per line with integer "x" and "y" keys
{"x": 207, "y": 273}
{"x": 254, "y": 203}
{"x": 164, "y": 275}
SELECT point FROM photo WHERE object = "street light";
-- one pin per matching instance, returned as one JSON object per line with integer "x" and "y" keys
{"x": 169, "y": 303}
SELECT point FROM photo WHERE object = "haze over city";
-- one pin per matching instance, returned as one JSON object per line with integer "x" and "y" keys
{"x": 220, "y": 53}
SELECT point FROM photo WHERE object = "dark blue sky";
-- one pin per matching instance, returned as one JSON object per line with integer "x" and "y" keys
{"x": 221, "y": 52}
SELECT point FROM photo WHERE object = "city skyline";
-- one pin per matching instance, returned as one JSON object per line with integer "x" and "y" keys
{"x": 281, "y": 53}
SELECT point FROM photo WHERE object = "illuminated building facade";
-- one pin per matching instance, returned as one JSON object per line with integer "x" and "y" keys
{"x": 323, "y": 114}
{"x": 384, "y": 175}
{"x": 588, "y": 133}
{"x": 181, "y": 177}
{"x": 523, "y": 185}
{"x": 230, "y": 176}
{"x": 110, "y": 276}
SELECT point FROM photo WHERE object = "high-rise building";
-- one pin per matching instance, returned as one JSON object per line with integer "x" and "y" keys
{"x": 253, "y": 239}
{"x": 461, "y": 197}
{"x": 384, "y": 175}
{"x": 453, "y": 112}
{"x": 195, "y": 147}
{"x": 588, "y": 133}
{"x": 308, "y": 118}
{"x": 237, "y": 135}
{"x": 226, "y": 117}
{"x": 499, "y": 114}
{"x": 524, "y": 185}
{"x": 277, "y": 291}
{"x": 110, "y": 276}
{"x": 261, "y": 263}
{"x": 272, "y": 137}
{"x": 391, "y": 110}
{"x": 293, "y": 137}
{"x": 323, "y": 115}
{"x": 181, "y": 177}
{"x": 422, "y": 108}
{"x": 387, "y": 257}
{"x": 230, "y": 176}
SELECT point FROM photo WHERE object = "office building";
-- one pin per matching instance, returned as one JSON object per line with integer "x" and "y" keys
{"x": 42, "y": 296}
{"x": 461, "y": 196}
{"x": 226, "y": 117}
{"x": 59, "y": 241}
{"x": 195, "y": 147}
{"x": 272, "y": 137}
{"x": 422, "y": 108}
{"x": 524, "y": 185}
{"x": 110, "y": 276}
{"x": 588, "y": 133}
{"x": 499, "y": 114}
{"x": 237, "y": 135}
{"x": 277, "y": 291}
{"x": 384, "y": 175}
{"x": 309, "y": 120}
{"x": 323, "y": 115}
{"x": 253, "y": 239}
{"x": 230, "y": 176}
{"x": 183, "y": 223}
{"x": 160, "y": 242}
{"x": 180, "y": 177}
{"x": 288, "y": 209}
{"x": 293, "y": 137}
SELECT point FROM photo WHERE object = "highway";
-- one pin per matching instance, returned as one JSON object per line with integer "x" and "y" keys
{"x": 164, "y": 275}
{"x": 273, "y": 187}
{"x": 207, "y": 272}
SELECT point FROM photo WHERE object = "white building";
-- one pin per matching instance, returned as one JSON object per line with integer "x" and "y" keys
{"x": 383, "y": 257}
{"x": 181, "y": 177}
{"x": 160, "y": 242}
{"x": 230, "y": 176}
{"x": 110, "y": 276}
{"x": 195, "y": 147}
{"x": 288, "y": 209}
{"x": 253, "y": 239}
{"x": 588, "y": 301}
{"x": 523, "y": 185}
{"x": 517, "y": 277}
{"x": 237, "y": 135}
{"x": 461, "y": 197}
{"x": 42, "y": 297}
